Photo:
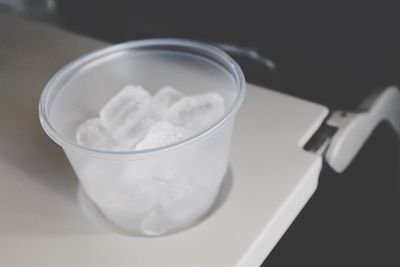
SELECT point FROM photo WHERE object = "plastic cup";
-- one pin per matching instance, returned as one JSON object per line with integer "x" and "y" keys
{"x": 155, "y": 191}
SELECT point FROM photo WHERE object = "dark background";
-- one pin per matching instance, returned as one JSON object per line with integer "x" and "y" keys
{"x": 334, "y": 53}
{"x": 330, "y": 52}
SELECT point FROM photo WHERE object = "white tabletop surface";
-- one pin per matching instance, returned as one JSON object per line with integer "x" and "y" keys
{"x": 42, "y": 224}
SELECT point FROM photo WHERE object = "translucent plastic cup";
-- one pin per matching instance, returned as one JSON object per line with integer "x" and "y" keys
{"x": 155, "y": 191}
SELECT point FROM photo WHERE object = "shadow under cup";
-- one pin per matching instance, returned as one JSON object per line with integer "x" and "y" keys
{"x": 155, "y": 191}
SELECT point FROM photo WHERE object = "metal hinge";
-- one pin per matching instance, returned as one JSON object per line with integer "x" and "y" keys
{"x": 342, "y": 135}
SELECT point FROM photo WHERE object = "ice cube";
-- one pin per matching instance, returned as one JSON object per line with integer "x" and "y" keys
{"x": 127, "y": 106}
{"x": 164, "y": 99}
{"x": 127, "y": 115}
{"x": 139, "y": 189}
{"x": 163, "y": 133}
{"x": 197, "y": 112}
{"x": 92, "y": 133}
{"x": 175, "y": 187}
{"x": 130, "y": 134}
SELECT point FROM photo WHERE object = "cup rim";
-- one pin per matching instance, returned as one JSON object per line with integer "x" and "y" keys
{"x": 70, "y": 69}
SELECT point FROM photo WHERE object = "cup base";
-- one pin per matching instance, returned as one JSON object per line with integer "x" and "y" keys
{"x": 96, "y": 216}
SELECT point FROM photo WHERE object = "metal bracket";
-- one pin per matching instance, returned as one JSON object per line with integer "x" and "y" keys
{"x": 353, "y": 129}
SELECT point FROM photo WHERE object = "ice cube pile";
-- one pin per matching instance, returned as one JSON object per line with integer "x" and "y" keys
{"x": 153, "y": 196}
{"x": 135, "y": 120}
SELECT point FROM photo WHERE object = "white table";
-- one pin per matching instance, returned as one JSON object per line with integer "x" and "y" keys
{"x": 42, "y": 222}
